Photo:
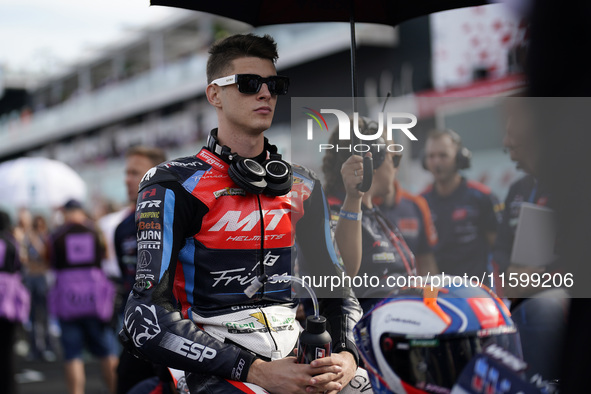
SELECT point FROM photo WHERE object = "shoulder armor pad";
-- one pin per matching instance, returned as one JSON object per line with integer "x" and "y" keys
{"x": 177, "y": 170}
{"x": 302, "y": 171}
{"x": 302, "y": 175}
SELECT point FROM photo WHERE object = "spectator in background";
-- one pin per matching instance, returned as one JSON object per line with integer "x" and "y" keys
{"x": 465, "y": 213}
{"x": 541, "y": 319}
{"x": 558, "y": 34}
{"x": 82, "y": 297}
{"x": 369, "y": 244}
{"x": 33, "y": 243}
{"x": 411, "y": 214}
{"x": 14, "y": 300}
{"x": 107, "y": 219}
{"x": 138, "y": 160}
{"x": 523, "y": 149}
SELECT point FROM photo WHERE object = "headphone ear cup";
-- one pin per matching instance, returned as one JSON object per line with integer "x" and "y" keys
{"x": 377, "y": 153}
{"x": 279, "y": 177}
{"x": 246, "y": 174}
{"x": 463, "y": 158}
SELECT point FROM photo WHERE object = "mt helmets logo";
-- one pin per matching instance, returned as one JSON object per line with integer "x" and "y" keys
{"x": 389, "y": 122}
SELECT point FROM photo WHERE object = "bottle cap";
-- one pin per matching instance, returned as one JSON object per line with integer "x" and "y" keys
{"x": 316, "y": 325}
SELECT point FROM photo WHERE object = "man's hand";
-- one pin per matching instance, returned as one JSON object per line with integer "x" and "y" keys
{"x": 327, "y": 380}
{"x": 329, "y": 374}
{"x": 352, "y": 173}
{"x": 285, "y": 375}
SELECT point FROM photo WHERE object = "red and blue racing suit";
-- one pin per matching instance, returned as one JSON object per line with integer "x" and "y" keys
{"x": 201, "y": 242}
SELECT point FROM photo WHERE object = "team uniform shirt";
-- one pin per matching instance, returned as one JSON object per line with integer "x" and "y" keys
{"x": 525, "y": 189}
{"x": 75, "y": 246}
{"x": 384, "y": 253}
{"x": 463, "y": 219}
{"x": 410, "y": 213}
{"x": 82, "y": 296}
{"x": 202, "y": 240}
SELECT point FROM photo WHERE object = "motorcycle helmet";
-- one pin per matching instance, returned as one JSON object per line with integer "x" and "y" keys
{"x": 419, "y": 339}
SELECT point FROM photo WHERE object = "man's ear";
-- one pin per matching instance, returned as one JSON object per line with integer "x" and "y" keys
{"x": 213, "y": 95}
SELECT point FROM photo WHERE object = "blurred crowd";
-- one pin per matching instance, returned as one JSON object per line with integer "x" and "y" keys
{"x": 456, "y": 226}
{"x": 453, "y": 211}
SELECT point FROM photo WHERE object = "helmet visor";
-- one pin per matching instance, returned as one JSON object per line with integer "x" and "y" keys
{"x": 438, "y": 361}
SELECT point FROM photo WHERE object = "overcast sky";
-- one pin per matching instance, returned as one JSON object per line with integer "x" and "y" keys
{"x": 39, "y": 35}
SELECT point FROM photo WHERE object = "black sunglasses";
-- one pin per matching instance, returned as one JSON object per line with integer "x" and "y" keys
{"x": 251, "y": 83}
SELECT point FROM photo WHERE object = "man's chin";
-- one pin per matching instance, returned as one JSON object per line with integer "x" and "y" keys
{"x": 260, "y": 129}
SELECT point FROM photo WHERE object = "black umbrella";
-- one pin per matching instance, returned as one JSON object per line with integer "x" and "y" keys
{"x": 273, "y": 12}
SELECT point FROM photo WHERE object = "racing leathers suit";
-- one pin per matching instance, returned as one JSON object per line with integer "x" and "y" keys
{"x": 202, "y": 240}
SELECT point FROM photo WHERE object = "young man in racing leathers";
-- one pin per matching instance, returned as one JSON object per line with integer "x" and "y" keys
{"x": 203, "y": 239}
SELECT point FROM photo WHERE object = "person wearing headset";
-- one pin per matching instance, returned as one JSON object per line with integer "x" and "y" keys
{"x": 523, "y": 148}
{"x": 466, "y": 213}
{"x": 210, "y": 224}
{"x": 369, "y": 244}
{"x": 540, "y": 314}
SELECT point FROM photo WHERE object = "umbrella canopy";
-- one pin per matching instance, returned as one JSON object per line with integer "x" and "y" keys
{"x": 39, "y": 182}
{"x": 272, "y": 12}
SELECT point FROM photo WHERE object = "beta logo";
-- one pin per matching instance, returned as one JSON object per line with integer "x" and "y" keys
{"x": 149, "y": 225}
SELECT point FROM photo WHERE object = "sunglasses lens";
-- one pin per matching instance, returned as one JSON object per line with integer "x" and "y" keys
{"x": 278, "y": 85}
{"x": 251, "y": 84}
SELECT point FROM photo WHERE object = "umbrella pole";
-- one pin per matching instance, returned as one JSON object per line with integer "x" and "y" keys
{"x": 353, "y": 64}
{"x": 367, "y": 161}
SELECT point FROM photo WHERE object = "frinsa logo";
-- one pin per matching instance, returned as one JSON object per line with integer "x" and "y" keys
{"x": 231, "y": 220}
{"x": 392, "y": 120}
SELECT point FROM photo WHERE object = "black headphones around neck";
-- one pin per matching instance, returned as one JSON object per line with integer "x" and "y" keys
{"x": 272, "y": 177}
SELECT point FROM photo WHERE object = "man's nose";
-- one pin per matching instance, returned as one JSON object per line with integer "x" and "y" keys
{"x": 264, "y": 92}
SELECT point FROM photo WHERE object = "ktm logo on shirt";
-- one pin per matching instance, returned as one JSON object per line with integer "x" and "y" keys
{"x": 232, "y": 221}
{"x": 459, "y": 214}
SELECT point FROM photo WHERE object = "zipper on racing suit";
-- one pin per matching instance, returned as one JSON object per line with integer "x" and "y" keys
{"x": 261, "y": 270}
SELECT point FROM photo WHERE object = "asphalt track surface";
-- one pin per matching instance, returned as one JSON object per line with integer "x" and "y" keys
{"x": 43, "y": 377}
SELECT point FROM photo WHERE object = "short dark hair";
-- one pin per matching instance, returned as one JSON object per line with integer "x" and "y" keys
{"x": 155, "y": 155}
{"x": 223, "y": 52}
{"x": 439, "y": 133}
